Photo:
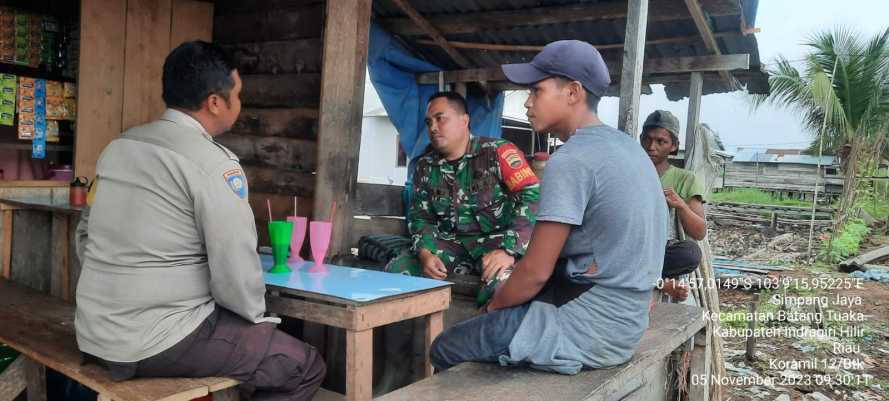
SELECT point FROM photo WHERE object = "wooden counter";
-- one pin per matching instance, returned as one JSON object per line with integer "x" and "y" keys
{"x": 37, "y": 239}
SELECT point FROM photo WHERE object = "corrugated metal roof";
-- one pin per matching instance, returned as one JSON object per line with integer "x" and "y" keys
{"x": 760, "y": 157}
{"x": 596, "y": 32}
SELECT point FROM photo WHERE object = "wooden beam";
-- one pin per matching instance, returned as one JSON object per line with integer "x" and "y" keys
{"x": 436, "y": 35}
{"x": 342, "y": 93}
{"x": 695, "y": 88}
{"x": 448, "y": 24}
{"x": 672, "y": 65}
{"x": 537, "y": 48}
{"x": 631, "y": 71}
{"x": 12, "y": 380}
{"x": 703, "y": 25}
{"x": 676, "y": 65}
{"x": 432, "y": 32}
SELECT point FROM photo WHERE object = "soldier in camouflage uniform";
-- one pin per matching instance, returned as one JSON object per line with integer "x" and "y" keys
{"x": 474, "y": 200}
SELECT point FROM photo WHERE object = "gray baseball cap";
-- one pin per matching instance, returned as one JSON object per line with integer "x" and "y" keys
{"x": 663, "y": 119}
{"x": 572, "y": 59}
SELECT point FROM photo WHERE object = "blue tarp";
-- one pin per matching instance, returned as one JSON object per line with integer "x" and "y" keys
{"x": 393, "y": 72}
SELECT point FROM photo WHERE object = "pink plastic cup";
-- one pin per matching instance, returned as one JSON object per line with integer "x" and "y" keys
{"x": 319, "y": 239}
{"x": 296, "y": 240}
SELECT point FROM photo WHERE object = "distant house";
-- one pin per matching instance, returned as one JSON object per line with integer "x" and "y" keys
{"x": 793, "y": 174}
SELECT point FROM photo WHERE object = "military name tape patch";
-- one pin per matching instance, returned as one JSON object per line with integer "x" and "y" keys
{"x": 236, "y": 181}
{"x": 515, "y": 170}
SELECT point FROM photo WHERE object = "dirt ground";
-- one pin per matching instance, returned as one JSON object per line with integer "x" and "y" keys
{"x": 847, "y": 360}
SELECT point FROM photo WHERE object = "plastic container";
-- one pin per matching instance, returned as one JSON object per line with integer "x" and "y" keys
{"x": 319, "y": 239}
{"x": 279, "y": 235}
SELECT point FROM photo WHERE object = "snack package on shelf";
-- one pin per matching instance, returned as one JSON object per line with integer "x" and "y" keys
{"x": 52, "y": 131}
{"x": 26, "y": 125}
{"x": 69, "y": 90}
{"x": 55, "y": 108}
{"x": 7, "y": 35}
{"x": 7, "y": 99}
{"x": 26, "y": 107}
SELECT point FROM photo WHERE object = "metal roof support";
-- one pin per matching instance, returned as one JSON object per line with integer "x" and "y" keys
{"x": 631, "y": 74}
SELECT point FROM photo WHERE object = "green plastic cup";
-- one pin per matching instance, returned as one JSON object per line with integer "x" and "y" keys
{"x": 279, "y": 234}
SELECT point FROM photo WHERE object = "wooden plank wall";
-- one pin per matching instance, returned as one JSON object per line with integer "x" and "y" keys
{"x": 278, "y": 46}
{"x": 777, "y": 176}
{"x": 123, "y": 47}
{"x": 100, "y": 83}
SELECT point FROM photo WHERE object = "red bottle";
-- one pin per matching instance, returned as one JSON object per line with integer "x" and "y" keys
{"x": 77, "y": 194}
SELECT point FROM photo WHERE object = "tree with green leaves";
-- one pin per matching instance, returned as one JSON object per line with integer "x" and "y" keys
{"x": 841, "y": 91}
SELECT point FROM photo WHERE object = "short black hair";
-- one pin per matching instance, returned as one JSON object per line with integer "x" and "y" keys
{"x": 457, "y": 101}
{"x": 195, "y": 70}
{"x": 592, "y": 101}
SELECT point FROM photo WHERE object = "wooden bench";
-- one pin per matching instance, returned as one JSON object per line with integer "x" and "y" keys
{"x": 642, "y": 378}
{"x": 41, "y": 328}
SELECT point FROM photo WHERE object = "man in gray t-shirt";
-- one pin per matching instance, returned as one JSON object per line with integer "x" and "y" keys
{"x": 580, "y": 296}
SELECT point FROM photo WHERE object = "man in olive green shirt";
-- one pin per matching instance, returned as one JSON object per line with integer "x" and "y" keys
{"x": 685, "y": 195}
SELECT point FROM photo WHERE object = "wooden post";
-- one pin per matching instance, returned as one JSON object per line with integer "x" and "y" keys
{"x": 631, "y": 73}
{"x": 342, "y": 93}
{"x": 695, "y": 88}
{"x": 6, "y": 258}
{"x": 751, "y": 324}
{"x": 35, "y": 376}
{"x": 699, "y": 388}
{"x": 61, "y": 270}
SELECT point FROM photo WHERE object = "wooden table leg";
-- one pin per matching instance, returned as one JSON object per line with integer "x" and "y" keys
{"x": 434, "y": 326}
{"x": 61, "y": 270}
{"x": 35, "y": 375}
{"x": 359, "y": 365}
{"x": 6, "y": 258}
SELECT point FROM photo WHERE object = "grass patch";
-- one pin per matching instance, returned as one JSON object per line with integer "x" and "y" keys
{"x": 735, "y": 318}
{"x": 846, "y": 243}
{"x": 754, "y": 196}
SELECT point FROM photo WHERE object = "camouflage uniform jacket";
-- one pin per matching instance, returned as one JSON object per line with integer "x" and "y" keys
{"x": 488, "y": 198}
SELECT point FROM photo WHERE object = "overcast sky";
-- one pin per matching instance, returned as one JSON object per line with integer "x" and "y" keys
{"x": 785, "y": 24}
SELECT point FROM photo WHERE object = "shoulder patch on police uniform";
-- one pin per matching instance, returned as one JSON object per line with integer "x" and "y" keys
{"x": 515, "y": 170}
{"x": 237, "y": 181}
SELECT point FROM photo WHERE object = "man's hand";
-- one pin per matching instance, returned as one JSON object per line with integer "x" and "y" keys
{"x": 494, "y": 262}
{"x": 673, "y": 199}
{"x": 432, "y": 265}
